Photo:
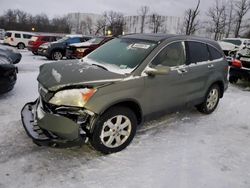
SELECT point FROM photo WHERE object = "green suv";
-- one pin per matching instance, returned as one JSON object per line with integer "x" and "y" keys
{"x": 105, "y": 96}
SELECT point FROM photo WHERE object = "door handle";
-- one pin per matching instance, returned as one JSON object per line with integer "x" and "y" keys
{"x": 210, "y": 66}
{"x": 182, "y": 70}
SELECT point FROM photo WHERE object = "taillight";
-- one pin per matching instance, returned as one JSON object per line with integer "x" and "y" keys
{"x": 236, "y": 63}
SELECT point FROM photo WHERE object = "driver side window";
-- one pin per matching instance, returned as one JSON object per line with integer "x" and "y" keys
{"x": 171, "y": 56}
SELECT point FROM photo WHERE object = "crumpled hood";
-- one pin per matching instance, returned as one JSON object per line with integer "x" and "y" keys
{"x": 54, "y": 76}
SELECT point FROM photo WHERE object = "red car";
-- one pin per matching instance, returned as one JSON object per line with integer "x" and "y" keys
{"x": 79, "y": 50}
{"x": 36, "y": 41}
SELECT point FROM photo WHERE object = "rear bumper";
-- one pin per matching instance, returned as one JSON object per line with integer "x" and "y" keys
{"x": 240, "y": 73}
{"x": 50, "y": 129}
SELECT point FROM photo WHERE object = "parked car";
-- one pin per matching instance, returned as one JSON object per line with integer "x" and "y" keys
{"x": 11, "y": 54}
{"x": 2, "y": 33}
{"x": 36, "y": 41}
{"x": 228, "y": 47}
{"x": 18, "y": 39}
{"x": 79, "y": 50}
{"x": 238, "y": 42}
{"x": 240, "y": 65}
{"x": 8, "y": 75}
{"x": 57, "y": 50}
{"x": 108, "y": 93}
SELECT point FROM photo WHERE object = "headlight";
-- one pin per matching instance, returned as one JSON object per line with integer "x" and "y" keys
{"x": 73, "y": 97}
{"x": 80, "y": 50}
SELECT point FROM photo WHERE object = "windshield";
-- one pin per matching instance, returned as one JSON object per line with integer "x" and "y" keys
{"x": 123, "y": 54}
{"x": 7, "y": 34}
{"x": 235, "y": 42}
{"x": 63, "y": 39}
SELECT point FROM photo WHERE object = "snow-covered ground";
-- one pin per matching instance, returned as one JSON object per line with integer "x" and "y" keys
{"x": 181, "y": 150}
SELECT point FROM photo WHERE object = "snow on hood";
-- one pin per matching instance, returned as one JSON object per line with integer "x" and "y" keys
{"x": 54, "y": 76}
{"x": 81, "y": 44}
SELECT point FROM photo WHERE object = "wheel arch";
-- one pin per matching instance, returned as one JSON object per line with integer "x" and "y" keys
{"x": 129, "y": 103}
{"x": 221, "y": 86}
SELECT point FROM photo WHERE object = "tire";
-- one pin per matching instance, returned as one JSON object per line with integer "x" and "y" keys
{"x": 211, "y": 100}
{"x": 233, "y": 79}
{"x": 20, "y": 45}
{"x": 57, "y": 55}
{"x": 117, "y": 137}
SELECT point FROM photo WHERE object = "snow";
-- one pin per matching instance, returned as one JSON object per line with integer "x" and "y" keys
{"x": 183, "y": 149}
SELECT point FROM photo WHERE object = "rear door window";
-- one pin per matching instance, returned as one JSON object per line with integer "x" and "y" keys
{"x": 197, "y": 52}
{"x": 214, "y": 53}
{"x": 17, "y": 35}
{"x": 172, "y": 55}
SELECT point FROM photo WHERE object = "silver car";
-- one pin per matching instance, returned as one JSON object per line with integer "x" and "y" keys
{"x": 105, "y": 96}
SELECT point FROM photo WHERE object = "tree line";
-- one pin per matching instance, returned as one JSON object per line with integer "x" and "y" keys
{"x": 23, "y": 21}
{"x": 222, "y": 19}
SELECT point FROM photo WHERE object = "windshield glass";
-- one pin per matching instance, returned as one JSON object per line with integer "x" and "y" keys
{"x": 122, "y": 54}
{"x": 63, "y": 39}
{"x": 7, "y": 34}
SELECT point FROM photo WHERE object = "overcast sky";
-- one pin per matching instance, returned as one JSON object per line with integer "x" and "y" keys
{"x": 127, "y": 7}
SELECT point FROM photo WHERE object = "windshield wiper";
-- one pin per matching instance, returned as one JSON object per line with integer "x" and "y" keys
{"x": 100, "y": 66}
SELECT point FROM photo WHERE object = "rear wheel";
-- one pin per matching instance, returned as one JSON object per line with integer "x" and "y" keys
{"x": 57, "y": 55}
{"x": 20, "y": 45}
{"x": 114, "y": 130}
{"x": 211, "y": 100}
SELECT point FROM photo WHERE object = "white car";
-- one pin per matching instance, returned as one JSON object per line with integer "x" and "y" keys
{"x": 19, "y": 39}
{"x": 239, "y": 42}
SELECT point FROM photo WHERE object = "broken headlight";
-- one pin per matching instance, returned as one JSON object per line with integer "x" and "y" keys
{"x": 72, "y": 97}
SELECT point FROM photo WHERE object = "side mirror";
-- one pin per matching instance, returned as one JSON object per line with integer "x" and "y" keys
{"x": 158, "y": 70}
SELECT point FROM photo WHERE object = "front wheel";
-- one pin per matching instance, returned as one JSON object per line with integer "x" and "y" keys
{"x": 211, "y": 100}
{"x": 57, "y": 55}
{"x": 114, "y": 130}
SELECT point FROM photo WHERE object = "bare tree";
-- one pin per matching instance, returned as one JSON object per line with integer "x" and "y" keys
{"x": 101, "y": 26}
{"x": 190, "y": 21}
{"x": 143, "y": 11}
{"x": 229, "y": 10}
{"x": 241, "y": 8}
{"x": 87, "y": 26}
{"x": 156, "y": 22}
{"x": 217, "y": 13}
{"x": 115, "y": 22}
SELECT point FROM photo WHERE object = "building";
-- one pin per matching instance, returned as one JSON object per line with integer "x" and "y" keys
{"x": 83, "y": 23}
{"x": 167, "y": 24}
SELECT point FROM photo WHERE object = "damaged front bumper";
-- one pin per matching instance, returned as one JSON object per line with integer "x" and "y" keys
{"x": 51, "y": 129}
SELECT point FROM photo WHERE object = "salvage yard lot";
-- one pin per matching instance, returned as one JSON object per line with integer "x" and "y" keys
{"x": 184, "y": 149}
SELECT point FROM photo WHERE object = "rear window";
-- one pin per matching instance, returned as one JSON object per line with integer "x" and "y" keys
{"x": 34, "y": 38}
{"x": 214, "y": 53}
{"x": 198, "y": 52}
{"x": 26, "y": 36}
{"x": 17, "y": 35}
{"x": 235, "y": 42}
{"x": 7, "y": 34}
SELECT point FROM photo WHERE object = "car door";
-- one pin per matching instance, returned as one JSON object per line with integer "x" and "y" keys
{"x": 199, "y": 68}
{"x": 163, "y": 92}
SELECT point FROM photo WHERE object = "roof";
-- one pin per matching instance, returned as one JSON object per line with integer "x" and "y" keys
{"x": 151, "y": 37}
{"x": 155, "y": 37}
